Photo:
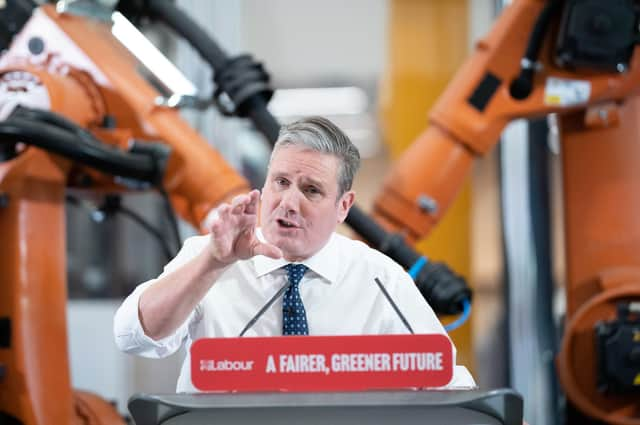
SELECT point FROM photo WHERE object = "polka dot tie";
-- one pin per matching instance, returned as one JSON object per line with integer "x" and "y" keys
{"x": 294, "y": 317}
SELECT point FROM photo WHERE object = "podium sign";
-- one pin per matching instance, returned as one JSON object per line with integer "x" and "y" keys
{"x": 321, "y": 363}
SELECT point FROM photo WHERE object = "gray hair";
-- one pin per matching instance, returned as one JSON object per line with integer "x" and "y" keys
{"x": 321, "y": 135}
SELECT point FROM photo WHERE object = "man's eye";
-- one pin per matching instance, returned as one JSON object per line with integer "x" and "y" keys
{"x": 312, "y": 190}
{"x": 281, "y": 182}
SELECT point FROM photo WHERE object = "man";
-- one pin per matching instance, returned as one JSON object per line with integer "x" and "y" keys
{"x": 218, "y": 282}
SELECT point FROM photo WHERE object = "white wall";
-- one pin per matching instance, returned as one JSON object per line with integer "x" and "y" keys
{"x": 308, "y": 40}
{"x": 99, "y": 367}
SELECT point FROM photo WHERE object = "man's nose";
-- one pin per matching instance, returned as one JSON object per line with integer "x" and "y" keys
{"x": 290, "y": 201}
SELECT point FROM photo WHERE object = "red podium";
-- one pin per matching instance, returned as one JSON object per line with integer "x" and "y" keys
{"x": 321, "y": 363}
{"x": 316, "y": 380}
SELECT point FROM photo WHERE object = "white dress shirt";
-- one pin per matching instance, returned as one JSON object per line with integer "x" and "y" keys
{"x": 338, "y": 291}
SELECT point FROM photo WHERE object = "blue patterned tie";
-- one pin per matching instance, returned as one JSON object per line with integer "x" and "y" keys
{"x": 294, "y": 318}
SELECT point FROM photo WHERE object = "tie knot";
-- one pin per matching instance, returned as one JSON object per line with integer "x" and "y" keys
{"x": 295, "y": 272}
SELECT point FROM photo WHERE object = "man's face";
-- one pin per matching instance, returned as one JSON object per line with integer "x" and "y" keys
{"x": 300, "y": 205}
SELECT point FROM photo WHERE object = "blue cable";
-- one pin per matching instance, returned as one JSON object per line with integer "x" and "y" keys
{"x": 466, "y": 312}
{"x": 466, "y": 305}
{"x": 417, "y": 266}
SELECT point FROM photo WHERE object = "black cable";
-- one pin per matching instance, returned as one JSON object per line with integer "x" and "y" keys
{"x": 134, "y": 216}
{"x": 173, "y": 222}
{"x": 14, "y": 15}
{"x": 194, "y": 34}
{"x": 54, "y": 119}
{"x": 391, "y": 244}
{"x": 242, "y": 79}
{"x": 522, "y": 85}
{"x": 444, "y": 290}
{"x": 94, "y": 154}
{"x": 262, "y": 119}
{"x": 8, "y": 151}
{"x": 156, "y": 233}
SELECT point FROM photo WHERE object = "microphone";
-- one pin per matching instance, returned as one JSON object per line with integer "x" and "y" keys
{"x": 265, "y": 307}
{"x": 395, "y": 307}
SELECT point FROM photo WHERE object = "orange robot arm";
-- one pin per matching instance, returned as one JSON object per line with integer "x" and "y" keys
{"x": 468, "y": 118}
{"x": 197, "y": 177}
{"x": 91, "y": 79}
{"x": 593, "y": 93}
{"x": 98, "y": 103}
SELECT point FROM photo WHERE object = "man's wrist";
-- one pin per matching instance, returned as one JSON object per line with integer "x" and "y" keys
{"x": 214, "y": 263}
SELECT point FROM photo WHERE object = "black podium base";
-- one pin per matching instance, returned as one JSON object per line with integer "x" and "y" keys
{"x": 502, "y": 406}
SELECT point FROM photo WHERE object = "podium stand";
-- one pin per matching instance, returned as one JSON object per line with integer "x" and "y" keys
{"x": 502, "y": 406}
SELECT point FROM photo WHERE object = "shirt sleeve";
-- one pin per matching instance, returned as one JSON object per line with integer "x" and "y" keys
{"x": 423, "y": 320}
{"x": 127, "y": 329}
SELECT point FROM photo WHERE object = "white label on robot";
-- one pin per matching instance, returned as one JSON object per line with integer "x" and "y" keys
{"x": 565, "y": 92}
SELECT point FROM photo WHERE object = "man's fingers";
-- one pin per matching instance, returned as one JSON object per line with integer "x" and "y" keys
{"x": 267, "y": 250}
{"x": 223, "y": 211}
{"x": 252, "y": 205}
{"x": 216, "y": 225}
{"x": 247, "y": 221}
{"x": 239, "y": 203}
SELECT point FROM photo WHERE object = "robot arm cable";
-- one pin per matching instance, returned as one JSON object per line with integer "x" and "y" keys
{"x": 85, "y": 149}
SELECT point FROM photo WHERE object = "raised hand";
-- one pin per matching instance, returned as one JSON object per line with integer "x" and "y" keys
{"x": 233, "y": 232}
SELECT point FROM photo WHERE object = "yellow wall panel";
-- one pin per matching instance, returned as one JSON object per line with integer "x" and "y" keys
{"x": 428, "y": 41}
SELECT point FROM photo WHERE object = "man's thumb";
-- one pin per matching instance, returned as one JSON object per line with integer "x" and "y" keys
{"x": 267, "y": 250}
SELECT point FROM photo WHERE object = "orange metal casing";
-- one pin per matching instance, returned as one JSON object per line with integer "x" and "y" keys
{"x": 601, "y": 239}
{"x": 37, "y": 388}
{"x": 459, "y": 131}
{"x": 34, "y": 269}
{"x": 601, "y": 186}
{"x": 197, "y": 177}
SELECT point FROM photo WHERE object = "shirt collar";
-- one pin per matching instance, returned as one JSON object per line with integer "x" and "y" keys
{"x": 322, "y": 262}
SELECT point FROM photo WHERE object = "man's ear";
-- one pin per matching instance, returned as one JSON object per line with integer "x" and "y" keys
{"x": 344, "y": 204}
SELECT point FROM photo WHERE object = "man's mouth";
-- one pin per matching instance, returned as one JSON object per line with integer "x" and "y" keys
{"x": 286, "y": 224}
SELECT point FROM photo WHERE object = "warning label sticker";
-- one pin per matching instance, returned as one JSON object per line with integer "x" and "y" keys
{"x": 566, "y": 92}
